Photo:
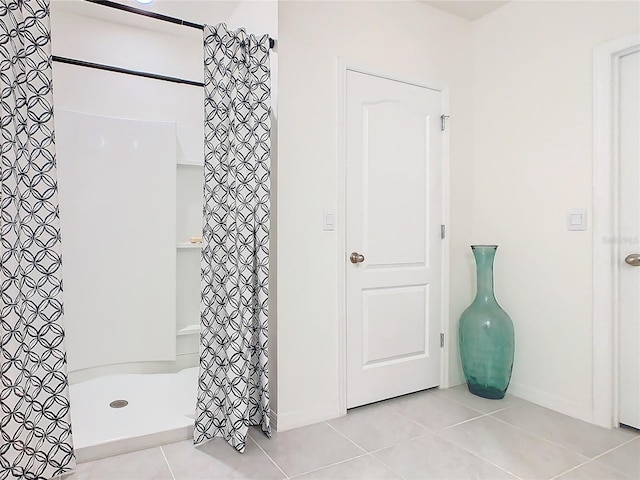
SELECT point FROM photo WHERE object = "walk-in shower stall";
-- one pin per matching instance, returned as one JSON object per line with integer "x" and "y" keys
{"x": 129, "y": 137}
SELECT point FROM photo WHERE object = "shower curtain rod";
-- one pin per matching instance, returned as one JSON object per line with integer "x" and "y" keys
{"x": 126, "y": 71}
{"x": 137, "y": 73}
{"x": 157, "y": 16}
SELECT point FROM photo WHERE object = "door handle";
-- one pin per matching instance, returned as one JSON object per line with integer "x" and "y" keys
{"x": 356, "y": 257}
{"x": 633, "y": 259}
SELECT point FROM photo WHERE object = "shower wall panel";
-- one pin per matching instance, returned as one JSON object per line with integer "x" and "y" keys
{"x": 117, "y": 187}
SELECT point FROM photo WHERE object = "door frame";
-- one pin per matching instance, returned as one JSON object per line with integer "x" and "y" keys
{"x": 606, "y": 66}
{"x": 343, "y": 67}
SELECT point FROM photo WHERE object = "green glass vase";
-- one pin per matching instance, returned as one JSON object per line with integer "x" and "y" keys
{"x": 487, "y": 338}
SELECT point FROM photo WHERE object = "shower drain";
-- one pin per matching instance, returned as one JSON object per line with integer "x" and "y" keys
{"x": 118, "y": 404}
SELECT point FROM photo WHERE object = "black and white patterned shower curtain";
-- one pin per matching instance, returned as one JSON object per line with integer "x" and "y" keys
{"x": 233, "y": 389}
{"x": 35, "y": 438}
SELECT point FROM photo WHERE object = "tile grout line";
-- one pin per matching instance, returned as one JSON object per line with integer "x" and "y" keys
{"x": 166, "y": 460}
{"x": 556, "y": 444}
{"x": 370, "y": 454}
{"x": 478, "y": 455}
{"x": 269, "y": 457}
{"x": 537, "y": 437}
{"x": 390, "y": 469}
{"x": 297, "y": 475}
{"x": 427, "y": 433}
{"x": 594, "y": 459}
{"x": 615, "y": 448}
{"x": 612, "y": 468}
{"x": 491, "y": 415}
{"x": 432, "y": 433}
{"x": 550, "y": 442}
{"x": 571, "y": 469}
{"x": 444, "y": 397}
{"x": 344, "y": 436}
{"x": 482, "y": 415}
{"x": 415, "y": 422}
{"x": 397, "y": 444}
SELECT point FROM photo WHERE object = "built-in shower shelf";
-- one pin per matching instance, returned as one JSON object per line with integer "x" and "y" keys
{"x": 189, "y": 171}
{"x": 188, "y": 162}
{"x": 190, "y": 330}
{"x": 189, "y": 245}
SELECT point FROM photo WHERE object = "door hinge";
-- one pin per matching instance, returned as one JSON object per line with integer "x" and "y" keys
{"x": 442, "y": 340}
{"x": 443, "y": 231}
{"x": 443, "y": 121}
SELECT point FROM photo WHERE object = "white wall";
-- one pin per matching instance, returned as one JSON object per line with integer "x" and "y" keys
{"x": 401, "y": 39}
{"x": 532, "y": 66}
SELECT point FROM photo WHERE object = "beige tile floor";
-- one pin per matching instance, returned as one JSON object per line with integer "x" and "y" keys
{"x": 436, "y": 434}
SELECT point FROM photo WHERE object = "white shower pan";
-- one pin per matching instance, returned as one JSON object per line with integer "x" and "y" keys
{"x": 160, "y": 409}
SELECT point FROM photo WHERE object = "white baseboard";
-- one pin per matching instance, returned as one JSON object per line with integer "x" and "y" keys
{"x": 455, "y": 378}
{"x": 552, "y": 402}
{"x": 300, "y": 418}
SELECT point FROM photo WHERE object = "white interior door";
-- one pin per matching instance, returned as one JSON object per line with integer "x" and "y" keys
{"x": 629, "y": 281}
{"x": 393, "y": 207}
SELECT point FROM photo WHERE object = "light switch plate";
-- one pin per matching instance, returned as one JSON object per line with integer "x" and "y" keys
{"x": 577, "y": 219}
{"x": 328, "y": 221}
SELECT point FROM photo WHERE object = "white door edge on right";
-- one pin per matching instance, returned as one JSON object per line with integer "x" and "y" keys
{"x": 629, "y": 241}
{"x": 393, "y": 218}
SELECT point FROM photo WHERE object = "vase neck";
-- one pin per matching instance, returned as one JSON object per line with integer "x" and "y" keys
{"x": 484, "y": 272}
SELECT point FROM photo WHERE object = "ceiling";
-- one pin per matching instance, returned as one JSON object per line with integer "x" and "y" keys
{"x": 469, "y": 9}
